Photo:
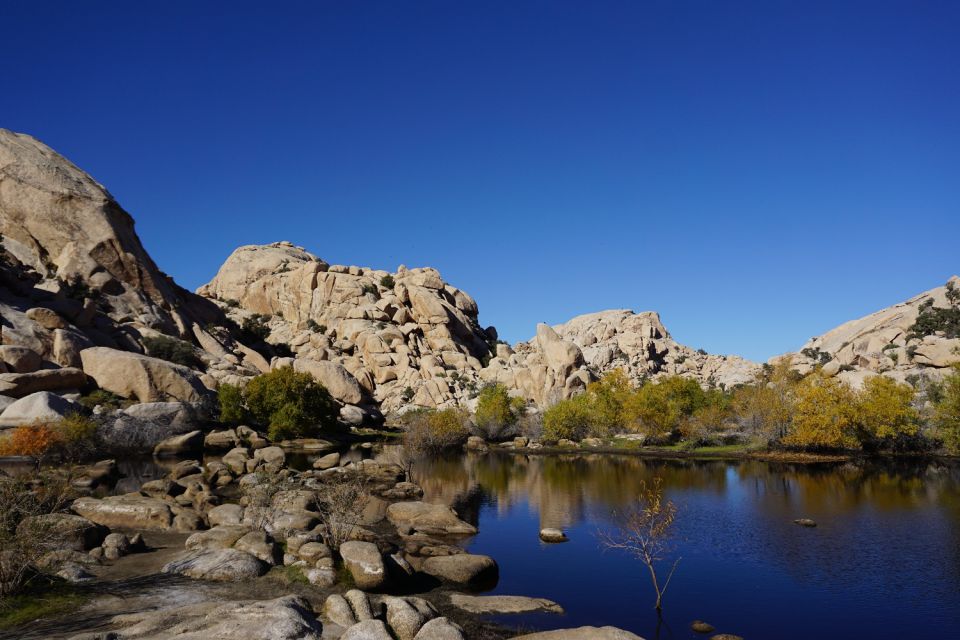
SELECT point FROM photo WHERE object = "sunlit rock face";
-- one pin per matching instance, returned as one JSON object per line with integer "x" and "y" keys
{"x": 888, "y": 342}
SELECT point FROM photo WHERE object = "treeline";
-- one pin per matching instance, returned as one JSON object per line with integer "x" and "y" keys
{"x": 782, "y": 408}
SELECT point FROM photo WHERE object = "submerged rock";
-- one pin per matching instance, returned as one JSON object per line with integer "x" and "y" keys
{"x": 553, "y": 535}
{"x": 503, "y": 604}
{"x": 582, "y": 633}
{"x": 805, "y": 522}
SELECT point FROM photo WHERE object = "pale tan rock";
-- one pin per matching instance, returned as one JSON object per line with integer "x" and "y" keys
{"x": 18, "y": 385}
{"x": 145, "y": 378}
{"x": 337, "y": 380}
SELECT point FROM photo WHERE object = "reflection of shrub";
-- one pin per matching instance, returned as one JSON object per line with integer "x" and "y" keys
{"x": 172, "y": 350}
{"x": 290, "y": 404}
{"x": 433, "y": 431}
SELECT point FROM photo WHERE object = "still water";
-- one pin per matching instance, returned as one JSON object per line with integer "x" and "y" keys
{"x": 884, "y": 561}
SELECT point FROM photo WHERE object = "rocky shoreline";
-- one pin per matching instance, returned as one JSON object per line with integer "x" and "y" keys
{"x": 245, "y": 546}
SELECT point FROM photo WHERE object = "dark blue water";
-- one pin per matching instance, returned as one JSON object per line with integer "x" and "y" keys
{"x": 884, "y": 561}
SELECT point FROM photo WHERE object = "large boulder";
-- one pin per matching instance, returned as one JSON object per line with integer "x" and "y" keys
{"x": 223, "y": 565}
{"x": 367, "y": 630}
{"x": 338, "y": 381}
{"x": 20, "y": 359}
{"x": 141, "y": 427}
{"x": 431, "y": 519}
{"x": 147, "y": 379}
{"x": 65, "y": 530}
{"x": 18, "y": 385}
{"x": 440, "y": 629}
{"x": 42, "y": 405}
{"x": 128, "y": 511}
{"x": 365, "y": 564}
{"x": 462, "y": 568}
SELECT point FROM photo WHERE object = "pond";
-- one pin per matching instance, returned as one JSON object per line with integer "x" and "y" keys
{"x": 883, "y": 562}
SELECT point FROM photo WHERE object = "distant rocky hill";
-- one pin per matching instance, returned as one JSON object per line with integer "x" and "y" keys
{"x": 918, "y": 337}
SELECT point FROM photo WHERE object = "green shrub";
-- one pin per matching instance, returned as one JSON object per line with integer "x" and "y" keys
{"x": 371, "y": 288}
{"x": 947, "y": 417}
{"x": 497, "y": 412}
{"x": 254, "y": 329}
{"x": 288, "y": 403}
{"x": 103, "y": 398}
{"x": 932, "y": 319}
{"x": 232, "y": 407}
{"x": 172, "y": 350}
{"x": 387, "y": 282}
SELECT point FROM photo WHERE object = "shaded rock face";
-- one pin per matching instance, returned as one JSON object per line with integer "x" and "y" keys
{"x": 881, "y": 343}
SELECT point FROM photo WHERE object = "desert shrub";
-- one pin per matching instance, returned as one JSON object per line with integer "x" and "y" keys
{"x": 313, "y": 326}
{"x": 407, "y": 394}
{"x": 104, "y": 398}
{"x": 431, "y": 431}
{"x": 258, "y": 497}
{"x": 25, "y": 534}
{"x": 232, "y": 407}
{"x": 932, "y": 319}
{"x": 568, "y": 419}
{"x": 290, "y": 404}
{"x": 371, "y": 288}
{"x": 70, "y": 439}
{"x": 606, "y": 399}
{"x": 34, "y": 440}
{"x": 387, "y": 282}
{"x": 341, "y": 502}
{"x": 172, "y": 350}
{"x": 254, "y": 329}
{"x": 947, "y": 413}
{"x": 497, "y": 413}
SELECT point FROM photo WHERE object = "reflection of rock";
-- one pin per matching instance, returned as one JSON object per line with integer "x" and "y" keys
{"x": 582, "y": 633}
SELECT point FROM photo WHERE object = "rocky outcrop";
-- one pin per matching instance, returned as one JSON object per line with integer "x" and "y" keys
{"x": 360, "y": 331}
{"x": 561, "y": 360}
{"x": 891, "y": 341}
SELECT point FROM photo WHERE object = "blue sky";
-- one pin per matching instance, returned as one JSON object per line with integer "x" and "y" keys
{"x": 757, "y": 172}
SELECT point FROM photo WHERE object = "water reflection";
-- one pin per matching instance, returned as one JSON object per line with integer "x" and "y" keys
{"x": 883, "y": 562}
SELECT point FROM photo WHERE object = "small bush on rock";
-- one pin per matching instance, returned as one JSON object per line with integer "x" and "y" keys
{"x": 387, "y": 282}
{"x": 172, "y": 350}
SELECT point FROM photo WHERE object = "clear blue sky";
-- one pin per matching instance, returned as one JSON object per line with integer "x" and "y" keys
{"x": 757, "y": 172}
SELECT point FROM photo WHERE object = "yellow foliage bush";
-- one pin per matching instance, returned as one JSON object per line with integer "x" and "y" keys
{"x": 824, "y": 415}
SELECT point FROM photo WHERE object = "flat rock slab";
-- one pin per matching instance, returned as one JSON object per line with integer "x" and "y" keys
{"x": 285, "y": 618}
{"x": 503, "y": 604}
{"x": 223, "y": 565}
{"x": 463, "y": 568}
{"x": 131, "y": 511}
{"x": 431, "y": 519}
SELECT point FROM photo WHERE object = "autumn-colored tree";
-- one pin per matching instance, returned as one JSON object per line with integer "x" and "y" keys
{"x": 765, "y": 407}
{"x": 885, "y": 410}
{"x": 709, "y": 418}
{"x": 947, "y": 414}
{"x": 645, "y": 532}
{"x": 607, "y": 397}
{"x": 567, "y": 419}
{"x": 824, "y": 414}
